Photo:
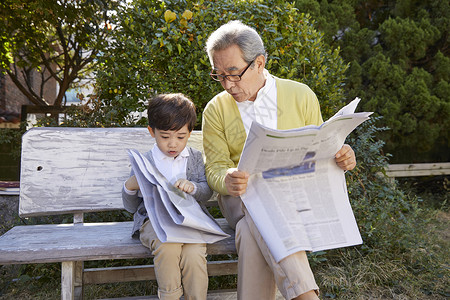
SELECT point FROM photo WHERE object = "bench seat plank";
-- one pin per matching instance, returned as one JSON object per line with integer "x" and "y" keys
{"x": 83, "y": 242}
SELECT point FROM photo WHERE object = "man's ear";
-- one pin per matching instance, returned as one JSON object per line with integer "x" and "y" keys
{"x": 260, "y": 63}
{"x": 152, "y": 133}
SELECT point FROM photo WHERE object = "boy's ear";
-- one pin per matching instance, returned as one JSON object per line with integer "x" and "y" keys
{"x": 152, "y": 133}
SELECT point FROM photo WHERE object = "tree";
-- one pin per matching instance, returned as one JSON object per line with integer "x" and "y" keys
{"x": 399, "y": 65}
{"x": 159, "y": 47}
{"x": 60, "y": 39}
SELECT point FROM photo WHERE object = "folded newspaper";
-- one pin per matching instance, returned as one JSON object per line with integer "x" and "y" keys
{"x": 297, "y": 195}
{"x": 176, "y": 216}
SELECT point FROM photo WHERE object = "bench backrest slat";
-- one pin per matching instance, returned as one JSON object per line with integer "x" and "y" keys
{"x": 72, "y": 170}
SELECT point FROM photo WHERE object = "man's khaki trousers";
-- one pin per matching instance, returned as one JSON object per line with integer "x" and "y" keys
{"x": 258, "y": 273}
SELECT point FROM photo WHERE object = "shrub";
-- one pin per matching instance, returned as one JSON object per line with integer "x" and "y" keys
{"x": 384, "y": 213}
{"x": 159, "y": 47}
{"x": 400, "y": 66}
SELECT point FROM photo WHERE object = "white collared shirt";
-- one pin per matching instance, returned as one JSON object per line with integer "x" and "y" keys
{"x": 172, "y": 168}
{"x": 264, "y": 109}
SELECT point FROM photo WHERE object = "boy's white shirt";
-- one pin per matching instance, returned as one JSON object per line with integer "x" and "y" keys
{"x": 172, "y": 168}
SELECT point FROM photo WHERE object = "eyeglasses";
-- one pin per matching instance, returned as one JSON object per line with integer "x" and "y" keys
{"x": 233, "y": 78}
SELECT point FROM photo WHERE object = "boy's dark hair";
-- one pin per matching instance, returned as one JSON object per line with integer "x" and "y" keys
{"x": 171, "y": 112}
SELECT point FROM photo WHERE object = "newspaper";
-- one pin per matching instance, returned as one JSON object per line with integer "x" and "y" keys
{"x": 296, "y": 194}
{"x": 176, "y": 216}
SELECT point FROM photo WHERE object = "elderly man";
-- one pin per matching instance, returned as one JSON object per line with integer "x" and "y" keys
{"x": 251, "y": 94}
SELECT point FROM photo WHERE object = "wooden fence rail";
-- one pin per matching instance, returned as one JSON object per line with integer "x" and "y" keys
{"x": 422, "y": 169}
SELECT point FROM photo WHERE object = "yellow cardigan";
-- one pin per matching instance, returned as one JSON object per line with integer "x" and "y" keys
{"x": 224, "y": 134}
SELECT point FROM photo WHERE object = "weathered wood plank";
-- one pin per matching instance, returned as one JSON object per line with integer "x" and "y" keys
{"x": 78, "y": 282}
{"x": 67, "y": 280}
{"x": 70, "y": 170}
{"x": 82, "y": 242}
{"x": 119, "y": 274}
{"x": 212, "y": 295}
{"x": 72, "y": 280}
{"x": 223, "y": 267}
{"x": 421, "y": 169}
{"x": 147, "y": 272}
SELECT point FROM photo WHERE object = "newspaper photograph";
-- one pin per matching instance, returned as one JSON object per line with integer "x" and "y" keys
{"x": 176, "y": 216}
{"x": 296, "y": 194}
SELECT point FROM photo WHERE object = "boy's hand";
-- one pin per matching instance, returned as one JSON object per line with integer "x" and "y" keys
{"x": 184, "y": 185}
{"x": 132, "y": 184}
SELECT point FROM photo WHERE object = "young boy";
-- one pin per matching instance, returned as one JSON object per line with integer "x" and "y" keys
{"x": 180, "y": 268}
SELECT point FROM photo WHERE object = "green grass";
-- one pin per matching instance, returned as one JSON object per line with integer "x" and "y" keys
{"x": 407, "y": 259}
{"x": 420, "y": 272}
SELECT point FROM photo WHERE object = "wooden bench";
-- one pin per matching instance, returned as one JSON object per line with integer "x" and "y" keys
{"x": 76, "y": 171}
